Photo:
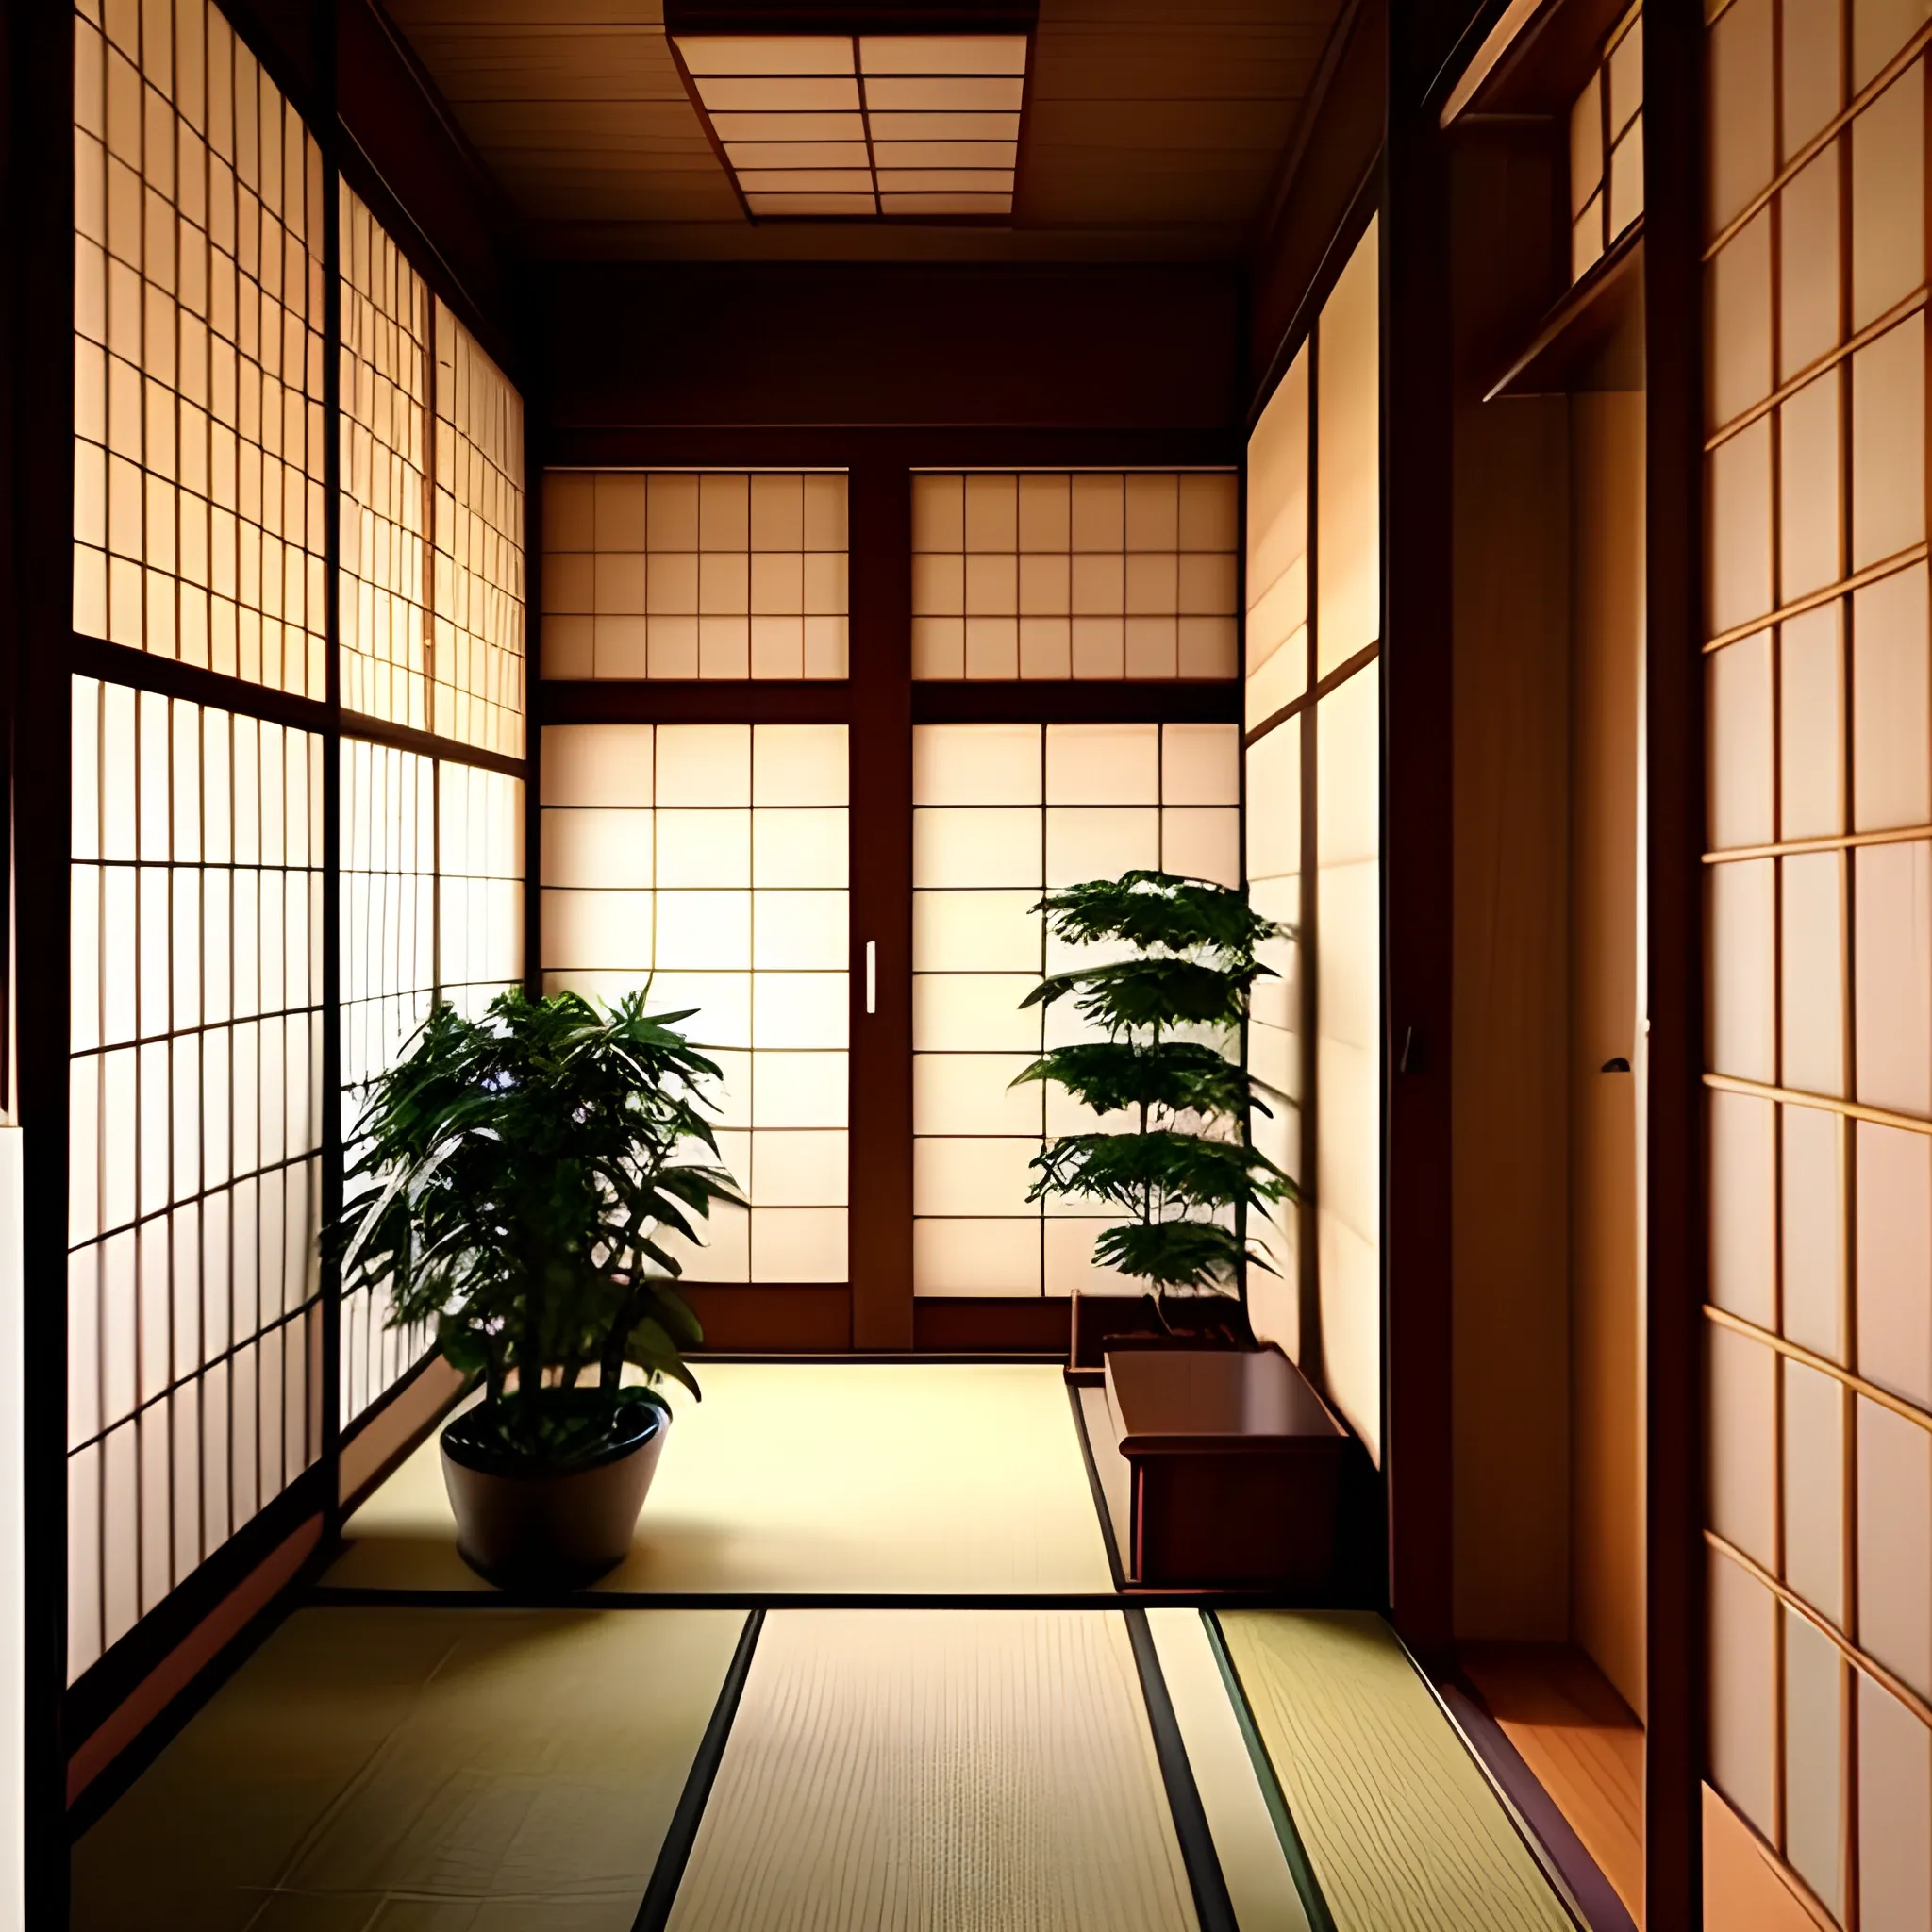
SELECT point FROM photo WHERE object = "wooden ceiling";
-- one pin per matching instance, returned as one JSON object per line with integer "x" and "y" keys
{"x": 1155, "y": 131}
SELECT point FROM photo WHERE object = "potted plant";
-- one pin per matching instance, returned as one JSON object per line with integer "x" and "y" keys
{"x": 511, "y": 1180}
{"x": 1182, "y": 1163}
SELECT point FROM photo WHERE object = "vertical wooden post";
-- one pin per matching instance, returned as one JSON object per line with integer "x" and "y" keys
{"x": 38, "y": 229}
{"x": 1417, "y": 845}
{"x": 1674, "y": 780}
{"x": 880, "y": 542}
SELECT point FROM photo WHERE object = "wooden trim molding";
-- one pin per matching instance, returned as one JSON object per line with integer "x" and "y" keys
{"x": 1904, "y": 311}
{"x": 1824, "y": 1103}
{"x": 132, "y": 1721}
{"x": 1871, "y": 1391}
{"x": 772, "y": 1318}
{"x": 962, "y": 1324}
{"x": 1834, "y": 841}
{"x": 1858, "y": 1659}
{"x": 1821, "y": 140}
{"x": 1829, "y": 593}
{"x": 429, "y": 745}
{"x": 193, "y": 684}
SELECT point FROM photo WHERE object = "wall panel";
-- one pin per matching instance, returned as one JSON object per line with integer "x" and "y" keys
{"x": 198, "y": 308}
{"x": 207, "y": 1002}
{"x": 194, "y": 1325}
{"x": 1313, "y": 837}
{"x": 707, "y": 863}
{"x": 1083, "y": 574}
{"x": 1820, "y": 990}
{"x": 680, "y": 574}
{"x": 477, "y": 521}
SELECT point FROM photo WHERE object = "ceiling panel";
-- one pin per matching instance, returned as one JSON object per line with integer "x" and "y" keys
{"x": 1153, "y": 129}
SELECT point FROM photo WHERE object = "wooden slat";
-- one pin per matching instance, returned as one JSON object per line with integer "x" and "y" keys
{"x": 909, "y": 1770}
{"x": 1402, "y": 1829}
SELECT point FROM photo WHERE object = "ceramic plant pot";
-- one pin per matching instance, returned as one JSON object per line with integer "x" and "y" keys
{"x": 535, "y": 1529}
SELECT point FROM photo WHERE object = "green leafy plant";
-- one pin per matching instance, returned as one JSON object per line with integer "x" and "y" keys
{"x": 513, "y": 1181}
{"x": 1186, "y": 1166}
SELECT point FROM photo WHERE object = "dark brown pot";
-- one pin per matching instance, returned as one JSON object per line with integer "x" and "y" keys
{"x": 535, "y": 1529}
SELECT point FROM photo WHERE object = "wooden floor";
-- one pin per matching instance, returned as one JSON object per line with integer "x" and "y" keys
{"x": 869, "y": 1477}
{"x": 1581, "y": 1742}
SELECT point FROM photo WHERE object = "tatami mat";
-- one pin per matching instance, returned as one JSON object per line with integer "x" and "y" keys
{"x": 855, "y": 1478}
{"x": 418, "y": 1771}
{"x": 937, "y": 1771}
{"x": 1400, "y": 1827}
{"x": 1260, "y": 1887}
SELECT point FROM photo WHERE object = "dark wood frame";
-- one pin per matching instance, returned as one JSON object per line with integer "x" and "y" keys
{"x": 1419, "y": 847}
{"x": 39, "y": 214}
{"x": 1674, "y": 1253}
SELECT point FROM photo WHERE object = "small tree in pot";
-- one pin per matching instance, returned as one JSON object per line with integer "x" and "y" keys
{"x": 1186, "y": 1166}
{"x": 513, "y": 1178}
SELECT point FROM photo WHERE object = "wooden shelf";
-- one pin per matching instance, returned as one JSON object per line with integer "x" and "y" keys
{"x": 1534, "y": 59}
{"x": 1594, "y": 338}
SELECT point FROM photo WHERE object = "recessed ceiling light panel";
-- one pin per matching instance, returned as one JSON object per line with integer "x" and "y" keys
{"x": 877, "y": 125}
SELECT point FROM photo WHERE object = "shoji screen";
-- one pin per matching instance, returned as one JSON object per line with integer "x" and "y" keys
{"x": 480, "y": 884}
{"x": 676, "y": 574}
{"x": 999, "y": 811}
{"x": 1819, "y": 960}
{"x": 476, "y": 658}
{"x": 194, "y": 1334}
{"x": 388, "y": 983}
{"x": 198, "y": 268}
{"x": 194, "y": 1331}
{"x": 432, "y": 908}
{"x": 707, "y": 862}
{"x": 1314, "y": 773}
{"x": 1607, "y": 147}
{"x": 385, "y": 475}
{"x": 432, "y": 847}
{"x": 1095, "y": 574}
